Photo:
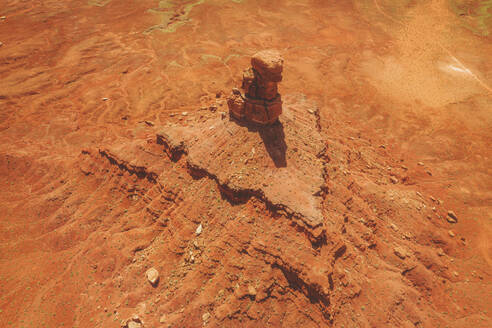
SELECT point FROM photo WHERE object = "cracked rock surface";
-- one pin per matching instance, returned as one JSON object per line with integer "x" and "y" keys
{"x": 280, "y": 164}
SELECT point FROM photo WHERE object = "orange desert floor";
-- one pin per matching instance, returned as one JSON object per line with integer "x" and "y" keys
{"x": 117, "y": 155}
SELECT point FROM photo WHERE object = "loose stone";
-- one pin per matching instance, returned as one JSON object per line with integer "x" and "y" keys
{"x": 152, "y": 276}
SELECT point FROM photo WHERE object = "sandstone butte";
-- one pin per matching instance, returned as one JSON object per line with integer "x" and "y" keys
{"x": 344, "y": 182}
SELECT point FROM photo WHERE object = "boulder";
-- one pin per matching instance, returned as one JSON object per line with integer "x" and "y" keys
{"x": 268, "y": 64}
{"x": 152, "y": 276}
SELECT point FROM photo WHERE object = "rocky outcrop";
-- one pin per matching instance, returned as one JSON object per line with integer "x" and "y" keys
{"x": 260, "y": 103}
{"x": 278, "y": 164}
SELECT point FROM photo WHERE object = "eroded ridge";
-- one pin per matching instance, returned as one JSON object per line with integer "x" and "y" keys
{"x": 278, "y": 164}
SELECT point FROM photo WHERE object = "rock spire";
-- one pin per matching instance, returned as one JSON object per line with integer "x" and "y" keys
{"x": 259, "y": 102}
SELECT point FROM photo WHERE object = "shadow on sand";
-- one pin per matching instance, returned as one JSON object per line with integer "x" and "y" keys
{"x": 273, "y": 137}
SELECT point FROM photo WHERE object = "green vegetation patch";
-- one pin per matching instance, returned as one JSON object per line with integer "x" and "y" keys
{"x": 171, "y": 20}
{"x": 207, "y": 58}
{"x": 164, "y": 4}
{"x": 476, "y": 14}
{"x": 98, "y": 3}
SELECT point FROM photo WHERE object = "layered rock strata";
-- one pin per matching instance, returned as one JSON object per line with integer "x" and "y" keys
{"x": 259, "y": 102}
{"x": 278, "y": 164}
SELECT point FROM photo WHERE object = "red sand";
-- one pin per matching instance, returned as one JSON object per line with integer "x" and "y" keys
{"x": 90, "y": 200}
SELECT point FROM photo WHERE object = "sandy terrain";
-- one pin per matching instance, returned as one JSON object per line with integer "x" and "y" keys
{"x": 110, "y": 165}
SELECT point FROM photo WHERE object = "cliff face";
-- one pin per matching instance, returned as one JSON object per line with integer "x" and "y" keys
{"x": 365, "y": 205}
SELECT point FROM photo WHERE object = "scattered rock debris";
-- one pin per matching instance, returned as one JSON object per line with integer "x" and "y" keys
{"x": 134, "y": 322}
{"x": 198, "y": 230}
{"x": 401, "y": 252}
{"x": 252, "y": 290}
{"x": 206, "y": 316}
{"x": 152, "y": 276}
{"x": 452, "y": 218}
